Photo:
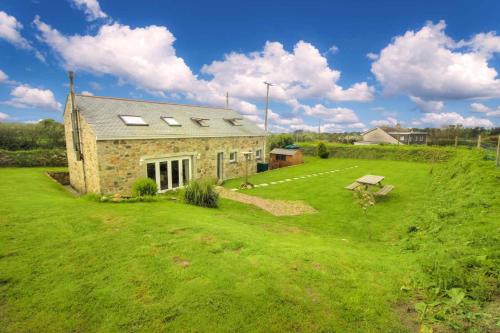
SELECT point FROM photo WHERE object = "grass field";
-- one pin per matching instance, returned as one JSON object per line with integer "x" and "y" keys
{"x": 72, "y": 264}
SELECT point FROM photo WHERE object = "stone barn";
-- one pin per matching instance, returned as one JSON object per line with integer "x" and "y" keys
{"x": 111, "y": 142}
{"x": 281, "y": 157}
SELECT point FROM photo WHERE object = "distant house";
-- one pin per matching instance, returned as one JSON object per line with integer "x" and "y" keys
{"x": 282, "y": 157}
{"x": 111, "y": 142}
{"x": 378, "y": 135}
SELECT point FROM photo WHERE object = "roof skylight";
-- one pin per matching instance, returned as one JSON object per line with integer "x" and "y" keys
{"x": 133, "y": 120}
{"x": 203, "y": 122}
{"x": 234, "y": 121}
{"x": 171, "y": 121}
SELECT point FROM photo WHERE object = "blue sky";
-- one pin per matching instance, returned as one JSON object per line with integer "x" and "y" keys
{"x": 350, "y": 64}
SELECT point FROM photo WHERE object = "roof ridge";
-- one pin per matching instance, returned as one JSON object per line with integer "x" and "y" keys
{"x": 152, "y": 102}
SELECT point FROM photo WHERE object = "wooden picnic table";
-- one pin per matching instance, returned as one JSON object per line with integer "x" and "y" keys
{"x": 370, "y": 180}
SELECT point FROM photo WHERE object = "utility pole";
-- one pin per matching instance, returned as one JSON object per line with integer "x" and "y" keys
{"x": 498, "y": 151}
{"x": 479, "y": 141}
{"x": 227, "y": 100}
{"x": 268, "y": 84}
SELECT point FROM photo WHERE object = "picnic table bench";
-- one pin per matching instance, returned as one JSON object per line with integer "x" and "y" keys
{"x": 371, "y": 180}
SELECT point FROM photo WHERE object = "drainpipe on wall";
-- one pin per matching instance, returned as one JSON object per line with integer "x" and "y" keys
{"x": 76, "y": 119}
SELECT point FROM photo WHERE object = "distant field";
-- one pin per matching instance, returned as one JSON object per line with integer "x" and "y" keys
{"x": 71, "y": 264}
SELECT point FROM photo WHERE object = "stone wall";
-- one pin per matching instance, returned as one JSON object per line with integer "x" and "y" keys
{"x": 83, "y": 175}
{"x": 121, "y": 162}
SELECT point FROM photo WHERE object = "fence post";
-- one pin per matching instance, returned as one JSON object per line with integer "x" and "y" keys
{"x": 456, "y": 141}
{"x": 479, "y": 141}
{"x": 498, "y": 151}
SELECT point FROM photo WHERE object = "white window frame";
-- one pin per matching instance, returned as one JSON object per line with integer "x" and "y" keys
{"x": 171, "y": 121}
{"x": 235, "y": 159}
{"x": 130, "y": 120}
{"x": 258, "y": 154}
{"x": 169, "y": 161}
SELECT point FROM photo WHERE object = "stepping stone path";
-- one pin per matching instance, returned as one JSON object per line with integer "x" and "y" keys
{"x": 298, "y": 178}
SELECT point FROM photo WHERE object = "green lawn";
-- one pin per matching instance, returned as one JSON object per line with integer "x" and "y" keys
{"x": 71, "y": 264}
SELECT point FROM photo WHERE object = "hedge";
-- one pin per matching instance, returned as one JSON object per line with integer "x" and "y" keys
{"x": 33, "y": 158}
{"x": 384, "y": 152}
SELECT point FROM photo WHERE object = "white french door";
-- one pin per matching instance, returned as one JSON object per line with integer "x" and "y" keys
{"x": 170, "y": 173}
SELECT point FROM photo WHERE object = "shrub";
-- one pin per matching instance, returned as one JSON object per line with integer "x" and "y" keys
{"x": 201, "y": 193}
{"x": 144, "y": 187}
{"x": 322, "y": 150}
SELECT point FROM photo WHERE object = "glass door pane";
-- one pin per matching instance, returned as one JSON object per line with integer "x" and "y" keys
{"x": 174, "y": 170}
{"x": 185, "y": 171}
{"x": 151, "y": 171}
{"x": 163, "y": 175}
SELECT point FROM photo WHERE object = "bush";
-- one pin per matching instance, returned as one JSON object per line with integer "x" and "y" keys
{"x": 201, "y": 193}
{"x": 144, "y": 187}
{"x": 279, "y": 141}
{"x": 322, "y": 150}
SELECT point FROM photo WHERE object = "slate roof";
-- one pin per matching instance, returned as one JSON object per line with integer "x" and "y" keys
{"x": 282, "y": 151}
{"x": 103, "y": 116}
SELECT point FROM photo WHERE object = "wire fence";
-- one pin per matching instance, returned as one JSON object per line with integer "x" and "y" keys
{"x": 491, "y": 144}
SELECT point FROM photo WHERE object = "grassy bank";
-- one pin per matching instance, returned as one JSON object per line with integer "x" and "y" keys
{"x": 72, "y": 264}
{"x": 383, "y": 152}
{"x": 33, "y": 158}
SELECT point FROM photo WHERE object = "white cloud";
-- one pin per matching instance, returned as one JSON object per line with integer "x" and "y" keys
{"x": 10, "y": 31}
{"x": 427, "y": 106}
{"x": 453, "y": 118}
{"x": 372, "y": 56}
{"x": 87, "y": 93}
{"x": 91, "y": 8}
{"x": 389, "y": 121}
{"x": 336, "y": 115}
{"x": 3, "y": 77}
{"x": 333, "y": 49}
{"x": 429, "y": 65}
{"x": 4, "y": 116}
{"x": 24, "y": 96}
{"x": 300, "y": 74}
{"x": 486, "y": 110}
{"x": 146, "y": 58}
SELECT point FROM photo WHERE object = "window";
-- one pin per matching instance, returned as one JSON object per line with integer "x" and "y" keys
{"x": 258, "y": 154}
{"x": 201, "y": 121}
{"x": 133, "y": 121}
{"x": 234, "y": 121}
{"x": 280, "y": 157}
{"x": 232, "y": 157}
{"x": 402, "y": 138}
{"x": 171, "y": 121}
{"x": 170, "y": 173}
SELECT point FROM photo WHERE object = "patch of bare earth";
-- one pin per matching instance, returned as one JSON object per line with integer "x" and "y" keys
{"x": 408, "y": 316}
{"x": 181, "y": 262}
{"x": 275, "y": 207}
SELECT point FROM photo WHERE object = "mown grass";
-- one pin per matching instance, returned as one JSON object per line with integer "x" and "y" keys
{"x": 73, "y": 264}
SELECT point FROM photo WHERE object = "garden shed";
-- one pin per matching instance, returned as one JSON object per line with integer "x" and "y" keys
{"x": 282, "y": 157}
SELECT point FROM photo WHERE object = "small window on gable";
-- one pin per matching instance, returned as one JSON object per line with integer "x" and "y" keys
{"x": 171, "y": 121}
{"x": 133, "y": 121}
{"x": 232, "y": 157}
{"x": 203, "y": 122}
{"x": 258, "y": 154}
{"x": 234, "y": 121}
